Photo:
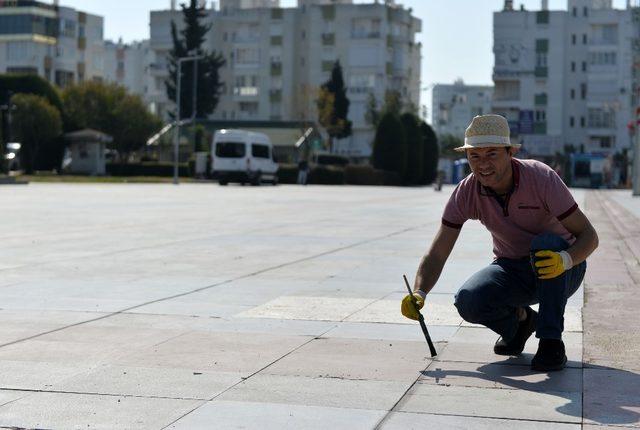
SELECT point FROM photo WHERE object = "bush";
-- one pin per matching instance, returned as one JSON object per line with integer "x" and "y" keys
{"x": 363, "y": 175}
{"x": 389, "y": 145}
{"x": 288, "y": 173}
{"x": 431, "y": 154}
{"x": 415, "y": 149}
{"x": 326, "y": 175}
{"x": 146, "y": 169}
{"x": 331, "y": 160}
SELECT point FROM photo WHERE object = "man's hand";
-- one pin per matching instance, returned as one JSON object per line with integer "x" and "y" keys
{"x": 551, "y": 264}
{"x": 411, "y": 304}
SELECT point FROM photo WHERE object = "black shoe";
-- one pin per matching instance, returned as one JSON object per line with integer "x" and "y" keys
{"x": 516, "y": 345}
{"x": 550, "y": 356}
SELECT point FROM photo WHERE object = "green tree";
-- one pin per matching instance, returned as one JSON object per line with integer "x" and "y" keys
{"x": 208, "y": 83}
{"x": 133, "y": 125}
{"x": 108, "y": 108}
{"x": 415, "y": 148}
{"x": 448, "y": 143}
{"x": 333, "y": 106}
{"x": 393, "y": 102}
{"x": 431, "y": 153}
{"x": 36, "y": 124}
{"x": 92, "y": 104}
{"x": 390, "y": 146}
{"x": 372, "y": 113}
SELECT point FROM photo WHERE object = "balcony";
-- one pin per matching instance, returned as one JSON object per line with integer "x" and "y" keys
{"x": 541, "y": 72}
{"x": 365, "y": 34}
{"x": 276, "y": 69}
{"x": 275, "y": 96}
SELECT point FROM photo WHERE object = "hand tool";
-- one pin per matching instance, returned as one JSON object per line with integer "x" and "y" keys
{"x": 421, "y": 320}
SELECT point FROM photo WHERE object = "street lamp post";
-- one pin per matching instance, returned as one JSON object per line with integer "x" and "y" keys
{"x": 176, "y": 134}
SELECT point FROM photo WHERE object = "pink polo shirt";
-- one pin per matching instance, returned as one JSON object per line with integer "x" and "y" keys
{"x": 537, "y": 204}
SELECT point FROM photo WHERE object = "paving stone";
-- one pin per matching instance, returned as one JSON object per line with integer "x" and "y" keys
{"x": 273, "y": 416}
{"x": 329, "y": 391}
{"x": 419, "y": 421}
{"x": 177, "y": 383}
{"x": 379, "y": 360}
{"x": 611, "y": 396}
{"x": 307, "y": 308}
{"x": 62, "y": 410}
{"x": 376, "y": 331}
{"x": 475, "y": 345}
{"x": 460, "y": 374}
{"x": 493, "y": 403}
{"x": 220, "y": 352}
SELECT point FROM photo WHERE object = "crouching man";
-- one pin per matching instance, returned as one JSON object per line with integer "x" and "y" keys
{"x": 541, "y": 240}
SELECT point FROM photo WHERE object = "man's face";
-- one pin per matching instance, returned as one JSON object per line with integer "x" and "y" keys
{"x": 491, "y": 166}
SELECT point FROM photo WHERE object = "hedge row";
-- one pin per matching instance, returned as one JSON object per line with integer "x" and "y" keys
{"x": 337, "y": 175}
{"x": 146, "y": 169}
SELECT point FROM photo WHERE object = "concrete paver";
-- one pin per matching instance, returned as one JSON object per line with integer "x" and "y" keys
{"x": 147, "y": 306}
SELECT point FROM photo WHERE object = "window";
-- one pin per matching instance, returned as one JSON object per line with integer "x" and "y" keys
{"x": 583, "y": 91}
{"x": 572, "y": 121}
{"x": 574, "y": 11}
{"x": 540, "y": 116}
{"x": 584, "y": 66}
{"x": 584, "y": 39}
{"x": 573, "y": 94}
{"x": 602, "y": 58}
{"x": 573, "y": 66}
{"x": 601, "y": 118}
{"x": 259, "y": 151}
{"x": 582, "y": 121}
{"x": 17, "y": 51}
{"x": 585, "y": 11}
{"x": 230, "y": 149}
{"x": 541, "y": 59}
{"x": 542, "y": 17}
{"x": 573, "y": 39}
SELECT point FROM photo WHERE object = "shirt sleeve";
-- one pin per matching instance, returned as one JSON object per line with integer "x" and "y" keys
{"x": 456, "y": 212}
{"x": 558, "y": 198}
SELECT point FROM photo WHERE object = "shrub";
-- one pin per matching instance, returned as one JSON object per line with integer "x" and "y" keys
{"x": 389, "y": 145}
{"x": 331, "y": 160}
{"x": 146, "y": 169}
{"x": 326, "y": 175}
{"x": 363, "y": 175}
{"x": 288, "y": 173}
{"x": 415, "y": 149}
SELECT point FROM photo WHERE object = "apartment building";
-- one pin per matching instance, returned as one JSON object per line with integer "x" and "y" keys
{"x": 277, "y": 58}
{"x": 59, "y": 43}
{"x": 130, "y": 65}
{"x": 567, "y": 77}
{"x": 453, "y": 106}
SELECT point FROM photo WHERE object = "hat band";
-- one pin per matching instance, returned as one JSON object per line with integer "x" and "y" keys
{"x": 486, "y": 139}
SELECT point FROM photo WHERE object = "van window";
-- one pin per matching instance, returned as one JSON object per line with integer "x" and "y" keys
{"x": 230, "y": 149}
{"x": 259, "y": 151}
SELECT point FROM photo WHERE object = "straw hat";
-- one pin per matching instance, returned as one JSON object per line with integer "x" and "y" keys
{"x": 487, "y": 131}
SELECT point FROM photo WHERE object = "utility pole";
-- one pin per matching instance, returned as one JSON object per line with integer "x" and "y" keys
{"x": 176, "y": 134}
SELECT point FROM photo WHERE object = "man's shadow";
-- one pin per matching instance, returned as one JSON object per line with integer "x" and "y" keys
{"x": 604, "y": 395}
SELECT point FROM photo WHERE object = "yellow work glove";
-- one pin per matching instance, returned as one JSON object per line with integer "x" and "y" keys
{"x": 411, "y": 304}
{"x": 551, "y": 264}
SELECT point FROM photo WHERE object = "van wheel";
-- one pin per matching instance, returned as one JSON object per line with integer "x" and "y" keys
{"x": 275, "y": 181}
{"x": 223, "y": 182}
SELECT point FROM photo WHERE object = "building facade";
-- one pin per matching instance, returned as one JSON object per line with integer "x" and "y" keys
{"x": 60, "y": 44}
{"x": 454, "y": 106}
{"x": 566, "y": 78}
{"x": 130, "y": 65}
{"x": 277, "y": 58}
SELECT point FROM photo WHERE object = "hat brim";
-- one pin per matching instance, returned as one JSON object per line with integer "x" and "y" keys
{"x": 486, "y": 145}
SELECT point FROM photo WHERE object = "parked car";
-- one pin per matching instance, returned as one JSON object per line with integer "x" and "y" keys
{"x": 243, "y": 156}
{"x": 12, "y": 155}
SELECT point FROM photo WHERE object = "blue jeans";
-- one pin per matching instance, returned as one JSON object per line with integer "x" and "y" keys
{"x": 492, "y": 295}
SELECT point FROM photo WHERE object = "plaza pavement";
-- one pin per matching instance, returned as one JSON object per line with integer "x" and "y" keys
{"x": 206, "y": 307}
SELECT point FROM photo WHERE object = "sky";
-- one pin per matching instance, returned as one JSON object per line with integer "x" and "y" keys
{"x": 456, "y": 34}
